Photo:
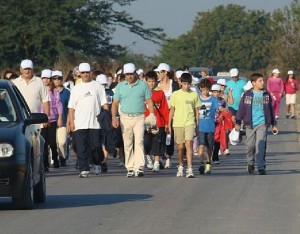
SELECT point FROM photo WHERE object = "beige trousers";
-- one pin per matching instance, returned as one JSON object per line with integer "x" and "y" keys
{"x": 61, "y": 139}
{"x": 133, "y": 135}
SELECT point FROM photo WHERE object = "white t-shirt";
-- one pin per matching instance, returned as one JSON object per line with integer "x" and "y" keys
{"x": 34, "y": 92}
{"x": 86, "y": 99}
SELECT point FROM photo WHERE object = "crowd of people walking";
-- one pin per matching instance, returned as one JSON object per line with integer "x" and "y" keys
{"x": 141, "y": 116}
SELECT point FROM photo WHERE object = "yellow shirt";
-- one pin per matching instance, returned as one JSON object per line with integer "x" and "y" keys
{"x": 184, "y": 104}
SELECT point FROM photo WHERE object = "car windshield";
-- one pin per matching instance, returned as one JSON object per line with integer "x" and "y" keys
{"x": 7, "y": 110}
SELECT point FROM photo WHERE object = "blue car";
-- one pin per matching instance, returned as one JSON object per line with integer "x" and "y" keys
{"x": 22, "y": 174}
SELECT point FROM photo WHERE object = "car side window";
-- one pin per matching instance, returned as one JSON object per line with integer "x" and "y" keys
{"x": 7, "y": 110}
{"x": 23, "y": 103}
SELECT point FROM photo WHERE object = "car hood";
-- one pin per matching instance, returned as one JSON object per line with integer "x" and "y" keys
{"x": 9, "y": 131}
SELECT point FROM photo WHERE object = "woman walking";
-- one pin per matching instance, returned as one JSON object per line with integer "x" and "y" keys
{"x": 290, "y": 87}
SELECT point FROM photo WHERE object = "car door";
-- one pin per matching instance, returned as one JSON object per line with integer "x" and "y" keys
{"x": 32, "y": 133}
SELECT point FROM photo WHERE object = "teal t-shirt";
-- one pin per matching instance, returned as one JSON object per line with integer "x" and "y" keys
{"x": 132, "y": 97}
{"x": 258, "y": 115}
{"x": 237, "y": 91}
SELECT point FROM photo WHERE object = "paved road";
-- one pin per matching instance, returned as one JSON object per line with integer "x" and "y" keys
{"x": 228, "y": 201}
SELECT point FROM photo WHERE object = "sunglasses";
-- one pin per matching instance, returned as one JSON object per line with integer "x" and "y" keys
{"x": 57, "y": 78}
{"x": 86, "y": 72}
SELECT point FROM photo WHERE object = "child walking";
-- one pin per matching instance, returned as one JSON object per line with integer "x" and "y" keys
{"x": 184, "y": 113}
{"x": 207, "y": 126}
{"x": 256, "y": 111}
{"x": 155, "y": 138}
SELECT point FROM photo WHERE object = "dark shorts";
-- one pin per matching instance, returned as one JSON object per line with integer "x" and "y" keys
{"x": 233, "y": 111}
{"x": 155, "y": 144}
{"x": 206, "y": 138}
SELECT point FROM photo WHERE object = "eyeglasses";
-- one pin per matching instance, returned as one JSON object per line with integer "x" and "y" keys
{"x": 57, "y": 78}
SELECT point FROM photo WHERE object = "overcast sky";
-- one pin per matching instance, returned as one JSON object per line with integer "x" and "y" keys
{"x": 176, "y": 17}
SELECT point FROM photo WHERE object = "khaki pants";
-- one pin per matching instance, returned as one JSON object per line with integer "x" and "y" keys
{"x": 61, "y": 139}
{"x": 133, "y": 135}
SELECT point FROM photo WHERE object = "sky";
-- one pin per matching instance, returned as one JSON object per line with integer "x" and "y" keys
{"x": 176, "y": 17}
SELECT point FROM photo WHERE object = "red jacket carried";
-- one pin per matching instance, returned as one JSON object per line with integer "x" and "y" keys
{"x": 223, "y": 123}
{"x": 161, "y": 109}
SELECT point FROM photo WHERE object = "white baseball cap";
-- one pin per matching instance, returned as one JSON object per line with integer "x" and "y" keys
{"x": 102, "y": 79}
{"x": 57, "y": 73}
{"x": 276, "y": 71}
{"x": 84, "y": 67}
{"x": 140, "y": 71}
{"x": 234, "y": 72}
{"x": 163, "y": 67}
{"x": 290, "y": 72}
{"x": 128, "y": 68}
{"x": 221, "y": 82}
{"x": 47, "y": 73}
{"x": 178, "y": 74}
{"x": 26, "y": 63}
{"x": 215, "y": 87}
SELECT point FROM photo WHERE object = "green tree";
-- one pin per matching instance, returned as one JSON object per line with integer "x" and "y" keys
{"x": 228, "y": 36}
{"x": 285, "y": 46}
{"x": 49, "y": 31}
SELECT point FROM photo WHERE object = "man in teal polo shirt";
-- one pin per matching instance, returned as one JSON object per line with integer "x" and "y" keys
{"x": 132, "y": 95}
{"x": 236, "y": 86}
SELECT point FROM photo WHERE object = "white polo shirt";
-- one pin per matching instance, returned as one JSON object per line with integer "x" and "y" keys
{"x": 34, "y": 92}
{"x": 86, "y": 99}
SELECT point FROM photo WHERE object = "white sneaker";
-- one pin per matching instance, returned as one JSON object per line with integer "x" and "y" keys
{"x": 180, "y": 171}
{"x": 130, "y": 173}
{"x": 156, "y": 167}
{"x": 121, "y": 164}
{"x": 168, "y": 163}
{"x": 97, "y": 169}
{"x": 139, "y": 173}
{"x": 189, "y": 173}
{"x": 207, "y": 168}
{"x": 84, "y": 174}
{"x": 226, "y": 152}
{"x": 149, "y": 164}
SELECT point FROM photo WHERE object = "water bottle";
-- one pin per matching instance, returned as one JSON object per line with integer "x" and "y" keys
{"x": 147, "y": 127}
{"x": 168, "y": 139}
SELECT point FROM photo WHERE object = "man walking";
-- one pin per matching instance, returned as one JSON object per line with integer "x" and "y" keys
{"x": 84, "y": 105}
{"x": 132, "y": 94}
{"x": 32, "y": 88}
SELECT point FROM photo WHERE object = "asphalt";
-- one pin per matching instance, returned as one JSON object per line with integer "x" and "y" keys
{"x": 228, "y": 201}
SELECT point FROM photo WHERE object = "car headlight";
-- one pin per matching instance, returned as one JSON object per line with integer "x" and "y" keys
{"x": 6, "y": 150}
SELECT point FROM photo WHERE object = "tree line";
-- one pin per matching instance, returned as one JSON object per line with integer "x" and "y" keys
{"x": 63, "y": 32}
{"x": 231, "y": 36}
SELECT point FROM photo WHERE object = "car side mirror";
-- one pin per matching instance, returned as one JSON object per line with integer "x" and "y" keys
{"x": 37, "y": 118}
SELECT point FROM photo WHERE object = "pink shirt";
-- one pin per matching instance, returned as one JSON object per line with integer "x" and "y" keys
{"x": 291, "y": 86}
{"x": 275, "y": 85}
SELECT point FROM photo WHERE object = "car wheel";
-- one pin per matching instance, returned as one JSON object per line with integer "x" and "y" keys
{"x": 25, "y": 202}
{"x": 39, "y": 192}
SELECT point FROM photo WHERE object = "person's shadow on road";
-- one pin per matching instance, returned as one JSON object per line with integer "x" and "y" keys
{"x": 81, "y": 200}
